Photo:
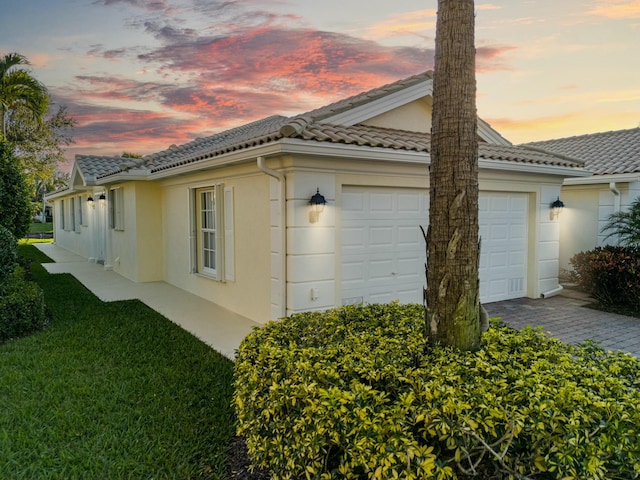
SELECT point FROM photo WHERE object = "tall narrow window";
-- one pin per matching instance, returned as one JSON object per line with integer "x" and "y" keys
{"x": 116, "y": 208}
{"x": 207, "y": 231}
{"x": 77, "y": 217}
{"x": 212, "y": 232}
{"x": 72, "y": 214}
{"x": 63, "y": 219}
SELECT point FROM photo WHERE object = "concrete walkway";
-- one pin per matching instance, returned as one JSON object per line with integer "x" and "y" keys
{"x": 566, "y": 318}
{"x": 218, "y": 327}
{"x": 563, "y": 316}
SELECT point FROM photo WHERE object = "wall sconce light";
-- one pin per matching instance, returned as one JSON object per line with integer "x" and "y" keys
{"x": 90, "y": 202}
{"x": 317, "y": 203}
{"x": 556, "y": 207}
{"x": 102, "y": 199}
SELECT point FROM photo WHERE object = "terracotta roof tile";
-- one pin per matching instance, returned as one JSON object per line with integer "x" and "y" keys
{"x": 310, "y": 126}
{"x": 604, "y": 153}
{"x": 94, "y": 166}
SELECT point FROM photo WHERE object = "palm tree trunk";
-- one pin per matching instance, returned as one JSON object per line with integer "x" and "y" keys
{"x": 452, "y": 294}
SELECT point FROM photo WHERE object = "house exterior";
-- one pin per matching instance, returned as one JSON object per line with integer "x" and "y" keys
{"x": 614, "y": 159}
{"x": 227, "y": 217}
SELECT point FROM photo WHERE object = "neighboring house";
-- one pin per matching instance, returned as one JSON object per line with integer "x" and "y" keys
{"x": 614, "y": 160}
{"x": 227, "y": 217}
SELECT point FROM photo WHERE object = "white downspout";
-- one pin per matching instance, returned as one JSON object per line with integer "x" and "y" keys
{"x": 616, "y": 196}
{"x": 107, "y": 231}
{"x": 283, "y": 228}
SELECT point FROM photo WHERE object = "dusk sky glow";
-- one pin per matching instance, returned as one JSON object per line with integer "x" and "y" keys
{"x": 140, "y": 75}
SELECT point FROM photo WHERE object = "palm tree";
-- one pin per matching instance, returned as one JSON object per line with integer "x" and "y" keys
{"x": 19, "y": 89}
{"x": 625, "y": 225}
{"x": 452, "y": 294}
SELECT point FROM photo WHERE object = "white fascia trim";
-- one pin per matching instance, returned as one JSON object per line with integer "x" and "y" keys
{"x": 603, "y": 179}
{"x": 345, "y": 150}
{"x": 491, "y": 136}
{"x": 382, "y": 105}
{"x": 245, "y": 155}
{"x": 531, "y": 168}
{"x": 63, "y": 193}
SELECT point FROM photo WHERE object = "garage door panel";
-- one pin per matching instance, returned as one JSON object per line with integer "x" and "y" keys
{"x": 384, "y": 261}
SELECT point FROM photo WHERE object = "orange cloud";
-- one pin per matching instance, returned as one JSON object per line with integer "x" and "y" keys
{"x": 617, "y": 9}
{"x": 401, "y": 24}
{"x": 562, "y": 125}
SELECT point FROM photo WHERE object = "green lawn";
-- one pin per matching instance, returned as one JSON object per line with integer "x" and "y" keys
{"x": 41, "y": 228}
{"x": 111, "y": 390}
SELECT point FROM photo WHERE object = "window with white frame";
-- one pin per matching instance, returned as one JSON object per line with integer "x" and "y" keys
{"x": 72, "y": 214}
{"x": 212, "y": 249}
{"x": 63, "y": 219}
{"x": 116, "y": 208}
{"x": 77, "y": 216}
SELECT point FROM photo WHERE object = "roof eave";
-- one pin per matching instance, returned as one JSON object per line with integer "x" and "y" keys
{"x": 528, "y": 167}
{"x": 604, "y": 179}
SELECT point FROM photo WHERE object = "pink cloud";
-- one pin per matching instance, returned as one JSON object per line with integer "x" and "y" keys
{"x": 617, "y": 9}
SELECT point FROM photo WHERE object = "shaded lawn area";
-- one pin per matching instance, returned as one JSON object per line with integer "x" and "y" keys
{"x": 41, "y": 227}
{"x": 111, "y": 390}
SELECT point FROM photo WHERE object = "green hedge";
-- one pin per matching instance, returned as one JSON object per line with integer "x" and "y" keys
{"x": 22, "y": 308}
{"x": 355, "y": 393}
{"x": 610, "y": 274}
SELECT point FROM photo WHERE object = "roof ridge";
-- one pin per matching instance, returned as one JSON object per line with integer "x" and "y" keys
{"x": 365, "y": 96}
{"x": 585, "y": 135}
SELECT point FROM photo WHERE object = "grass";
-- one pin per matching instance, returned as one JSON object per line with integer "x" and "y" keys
{"x": 41, "y": 227}
{"x": 110, "y": 390}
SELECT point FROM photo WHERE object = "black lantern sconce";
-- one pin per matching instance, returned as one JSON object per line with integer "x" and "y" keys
{"x": 317, "y": 203}
{"x": 102, "y": 199}
{"x": 90, "y": 202}
{"x": 556, "y": 207}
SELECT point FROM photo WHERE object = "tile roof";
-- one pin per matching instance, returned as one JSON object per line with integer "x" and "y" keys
{"x": 310, "y": 126}
{"x": 604, "y": 153}
{"x": 365, "y": 135}
{"x": 95, "y": 166}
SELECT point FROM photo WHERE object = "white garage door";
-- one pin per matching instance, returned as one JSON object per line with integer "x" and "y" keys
{"x": 383, "y": 251}
{"x": 503, "y": 259}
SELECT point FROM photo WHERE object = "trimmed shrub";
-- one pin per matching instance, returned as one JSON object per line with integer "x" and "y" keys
{"x": 15, "y": 205}
{"x": 610, "y": 274}
{"x": 8, "y": 254}
{"x": 356, "y": 393}
{"x": 22, "y": 308}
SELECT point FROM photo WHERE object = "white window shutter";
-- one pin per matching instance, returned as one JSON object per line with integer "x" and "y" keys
{"x": 193, "y": 233}
{"x": 229, "y": 253}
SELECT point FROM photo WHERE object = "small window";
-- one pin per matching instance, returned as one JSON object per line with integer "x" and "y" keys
{"x": 116, "y": 209}
{"x": 77, "y": 216}
{"x": 212, "y": 232}
{"x": 72, "y": 214}
{"x": 61, "y": 210}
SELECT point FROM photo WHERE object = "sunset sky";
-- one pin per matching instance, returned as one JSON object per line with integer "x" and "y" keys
{"x": 140, "y": 75}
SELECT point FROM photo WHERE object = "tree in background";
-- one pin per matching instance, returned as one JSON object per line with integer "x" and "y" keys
{"x": 15, "y": 205}
{"x": 18, "y": 89}
{"x": 39, "y": 145}
{"x": 452, "y": 293}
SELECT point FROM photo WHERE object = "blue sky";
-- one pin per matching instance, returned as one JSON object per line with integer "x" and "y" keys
{"x": 140, "y": 75}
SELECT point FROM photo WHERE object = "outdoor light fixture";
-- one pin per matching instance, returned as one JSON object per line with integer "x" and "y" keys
{"x": 317, "y": 203}
{"x": 102, "y": 199}
{"x": 556, "y": 208}
{"x": 90, "y": 201}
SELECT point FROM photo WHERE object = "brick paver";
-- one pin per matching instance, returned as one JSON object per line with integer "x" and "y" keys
{"x": 568, "y": 320}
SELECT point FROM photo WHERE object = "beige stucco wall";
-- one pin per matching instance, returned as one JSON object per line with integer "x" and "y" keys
{"x": 249, "y": 293}
{"x": 76, "y": 241}
{"x": 414, "y": 116}
{"x": 586, "y": 212}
